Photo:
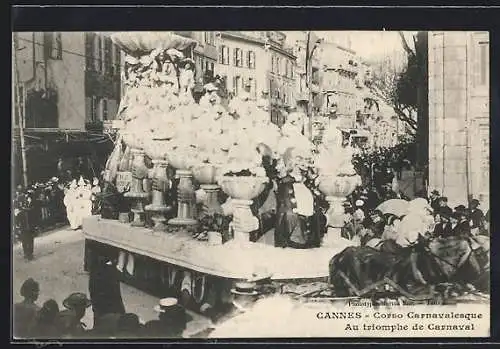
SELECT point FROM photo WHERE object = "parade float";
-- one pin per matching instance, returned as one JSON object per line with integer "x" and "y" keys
{"x": 180, "y": 164}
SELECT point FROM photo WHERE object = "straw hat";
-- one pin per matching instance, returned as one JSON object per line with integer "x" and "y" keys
{"x": 166, "y": 304}
{"x": 210, "y": 87}
{"x": 245, "y": 288}
{"x": 77, "y": 300}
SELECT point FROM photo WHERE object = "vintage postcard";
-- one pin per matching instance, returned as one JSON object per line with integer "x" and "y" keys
{"x": 250, "y": 184}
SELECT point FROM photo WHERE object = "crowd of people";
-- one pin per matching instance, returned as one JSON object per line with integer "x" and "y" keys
{"x": 110, "y": 318}
{"x": 40, "y": 204}
{"x": 45, "y": 205}
{"x": 364, "y": 221}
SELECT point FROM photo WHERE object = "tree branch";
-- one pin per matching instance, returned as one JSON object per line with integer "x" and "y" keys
{"x": 407, "y": 48}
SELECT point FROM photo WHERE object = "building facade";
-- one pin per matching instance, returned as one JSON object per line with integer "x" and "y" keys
{"x": 262, "y": 61}
{"x": 241, "y": 60}
{"x": 280, "y": 76}
{"x": 459, "y": 115}
{"x": 102, "y": 80}
{"x": 205, "y": 57}
{"x": 340, "y": 83}
{"x": 72, "y": 80}
{"x": 68, "y": 85}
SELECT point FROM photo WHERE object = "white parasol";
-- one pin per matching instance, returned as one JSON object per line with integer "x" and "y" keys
{"x": 397, "y": 207}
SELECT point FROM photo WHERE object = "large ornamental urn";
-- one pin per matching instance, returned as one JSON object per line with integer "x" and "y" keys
{"x": 137, "y": 194}
{"x": 336, "y": 187}
{"x": 186, "y": 197}
{"x": 206, "y": 175}
{"x": 156, "y": 150}
{"x": 242, "y": 190}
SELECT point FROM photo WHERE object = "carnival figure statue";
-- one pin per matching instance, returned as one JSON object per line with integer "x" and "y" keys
{"x": 299, "y": 223}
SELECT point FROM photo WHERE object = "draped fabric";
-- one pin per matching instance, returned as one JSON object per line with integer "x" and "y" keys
{"x": 411, "y": 267}
{"x": 136, "y": 43}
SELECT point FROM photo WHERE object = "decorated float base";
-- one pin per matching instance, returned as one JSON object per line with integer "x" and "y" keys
{"x": 231, "y": 260}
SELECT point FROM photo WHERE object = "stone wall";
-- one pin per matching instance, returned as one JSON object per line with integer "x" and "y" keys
{"x": 457, "y": 123}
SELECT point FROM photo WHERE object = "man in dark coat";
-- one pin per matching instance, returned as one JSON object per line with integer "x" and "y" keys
{"x": 25, "y": 311}
{"x": 171, "y": 322}
{"x": 294, "y": 229}
{"x": 45, "y": 325}
{"x": 104, "y": 288}
{"x": 443, "y": 226}
{"x": 443, "y": 206}
{"x": 434, "y": 200}
{"x": 69, "y": 321}
{"x": 462, "y": 227}
{"x": 476, "y": 214}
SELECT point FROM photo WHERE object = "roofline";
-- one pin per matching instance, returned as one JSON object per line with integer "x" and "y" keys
{"x": 257, "y": 42}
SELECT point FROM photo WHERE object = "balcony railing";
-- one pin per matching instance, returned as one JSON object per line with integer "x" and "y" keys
{"x": 94, "y": 126}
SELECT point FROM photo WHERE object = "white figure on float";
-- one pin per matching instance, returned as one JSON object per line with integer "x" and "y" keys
{"x": 69, "y": 202}
{"x": 78, "y": 201}
{"x": 186, "y": 77}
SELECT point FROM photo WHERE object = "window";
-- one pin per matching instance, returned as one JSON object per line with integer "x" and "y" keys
{"x": 98, "y": 53}
{"x": 236, "y": 85}
{"x": 105, "y": 109}
{"x": 278, "y": 65}
{"x": 94, "y": 111}
{"x": 210, "y": 38}
{"x": 53, "y": 45}
{"x": 223, "y": 55}
{"x": 89, "y": 51}
{"x": 251, "y": 59}
{"x": 272, "y": 64}
{"x": 116, "y": 59}
{"x": 287, "y": 68}
{"x": 108, "y": 56}
{"x": 238, "y": 57}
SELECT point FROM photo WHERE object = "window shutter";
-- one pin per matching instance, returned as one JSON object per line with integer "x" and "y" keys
{"x": 48, "y": 44}
{"x": 97, "y": 52}
{"x": 235, "y": 55}
{"x": 88, "y": 109}
{"x": 89, "y": 52}
{"x": 105, "y": 110}
{"x": 220, "y": 60}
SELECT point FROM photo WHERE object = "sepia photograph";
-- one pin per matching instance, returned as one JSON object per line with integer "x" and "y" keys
{"x": 250, "y": 184}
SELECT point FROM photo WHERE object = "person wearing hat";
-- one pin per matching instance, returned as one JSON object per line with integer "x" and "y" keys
{"x": 462, "y": 226}
{"x": 353, "y": 223}
{"x": 25, "y": 312}
{"x": 70, "y": 320}
{"x": 374, "y": 226}
{"x": 442, "y": 227}
{"x": 104, "y": 288}
{"x": 129, "y": 326}
{"x": 172, "y": 320}
{"x": 45, "y": 325}
{"x": 476, "y": 215}
{"x": 433, "y": 200}
{"x": 443, "y": 207}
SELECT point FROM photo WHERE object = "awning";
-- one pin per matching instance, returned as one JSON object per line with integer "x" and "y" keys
{"x": 138, "y": 43}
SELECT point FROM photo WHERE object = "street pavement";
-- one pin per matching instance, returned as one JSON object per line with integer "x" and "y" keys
{"x": 58, "y": 267}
